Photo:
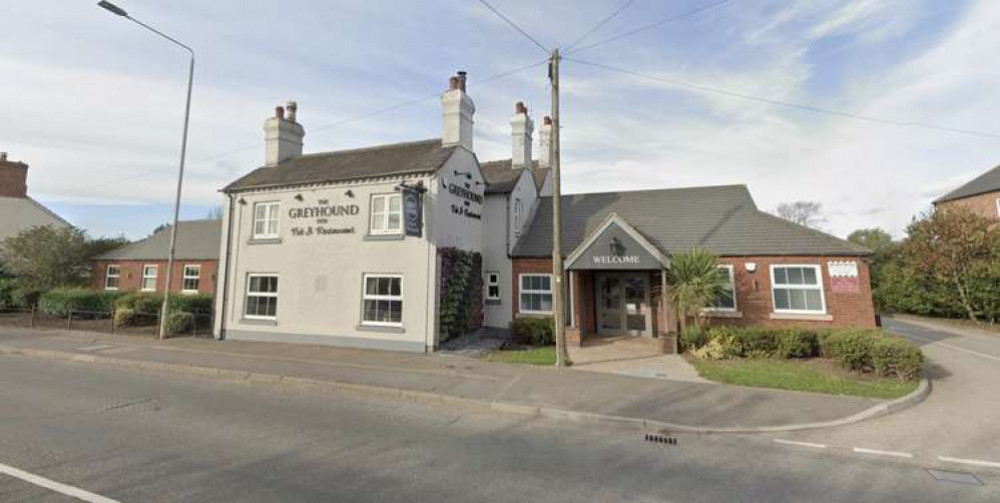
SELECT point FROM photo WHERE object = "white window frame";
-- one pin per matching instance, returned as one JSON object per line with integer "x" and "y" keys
{"x": 819, "y": 286}
{"x": 518, "y": 208}
{"x": 156, "y": 272}
{"x": 185, "y": 277}
{"x": 998, "y": 206}
{"x": 117, "y": 276}
{"x": 490, "y": 282}
{"x": 266, "y": 219}
{"x": 732, "y": 285}
{"x": 521, "y": 291}
{"x": 376, "y": 297}
{"x": 248, "y": 293}
{"x": 387, "y": 197}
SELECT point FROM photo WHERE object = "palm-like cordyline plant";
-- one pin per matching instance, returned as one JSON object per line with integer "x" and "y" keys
{"x": 695, "y": 283}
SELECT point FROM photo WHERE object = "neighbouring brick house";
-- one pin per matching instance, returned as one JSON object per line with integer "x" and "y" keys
{"x": 142, "y": 266}
{"x": 18, "y": 211}
{"x": 618, "y": 247}
{"x": 981, "y": 195}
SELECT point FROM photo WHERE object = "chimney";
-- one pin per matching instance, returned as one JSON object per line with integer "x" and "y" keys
{"x": 13, "y": 177}
{"x": 521, "y": 128}
{"x": 282, "y": 135}
{"x": 545, "y": 143}
{"x": 457, "y": 109}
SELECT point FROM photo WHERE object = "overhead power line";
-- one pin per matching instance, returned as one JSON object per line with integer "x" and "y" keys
{"x": 515, "y": 26}
{"x": 600, "y": 24}
{"x": 650, "y": 26}
{"x": 774, "y": 102}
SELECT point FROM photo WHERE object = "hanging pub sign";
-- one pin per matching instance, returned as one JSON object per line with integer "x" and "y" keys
{"x": 413, "y": 213}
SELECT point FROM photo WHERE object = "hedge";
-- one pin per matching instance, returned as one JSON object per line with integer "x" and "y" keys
{"x": 861, "y": 350}
{"x": 151, "y": 303}
{"x": 536, "y": 331}
{"x": 179, "y": 322}
{"x": 60, "y": 301}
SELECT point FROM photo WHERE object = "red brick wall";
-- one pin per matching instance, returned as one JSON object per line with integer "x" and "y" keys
{"x": 130, "y": 276}
{"x": 753, "y": 293}
{"x": 984, "y": 204}
{"x": 13, "y": 179}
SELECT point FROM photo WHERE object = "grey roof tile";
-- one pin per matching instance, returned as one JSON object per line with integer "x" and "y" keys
{"x": 986, "y": 182}
{"x": 424, "y": 156}
{"x": 723, "y": 219}
{"x": 22, "y": 213}
{"x": 196, "y": 240}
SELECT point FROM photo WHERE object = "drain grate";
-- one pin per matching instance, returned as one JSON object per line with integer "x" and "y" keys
{"x": 660, "y": 439}
{"x": 955, "y": 477}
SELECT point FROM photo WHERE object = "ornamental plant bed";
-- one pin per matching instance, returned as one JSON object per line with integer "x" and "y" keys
{"x": 818, "y": 375}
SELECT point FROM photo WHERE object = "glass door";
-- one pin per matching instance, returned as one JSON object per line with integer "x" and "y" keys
{"x": 635, "y": 308}
{"x": 609, "y": 304}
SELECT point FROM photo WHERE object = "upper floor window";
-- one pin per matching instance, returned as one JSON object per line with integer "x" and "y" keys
{"x": 265, "y": 220}
{"x": 192, "y": 277}
{"x": 112, "y": 277}
{"x": 492, "y": 285}
{"x": 387, "y": 214}
{"x": 149, "y": 278}
{"x": 517, "y": 217}
{"x": 797, "y": 289}
{"x": 726, "y": 301}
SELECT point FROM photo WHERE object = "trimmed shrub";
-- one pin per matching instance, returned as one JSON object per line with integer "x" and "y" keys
{"x": 192, "y": 303}
{"x": 179, "y": 322}
{"x": 152, "y": 303}
{"x": 535, "y": 331}
{"x": 693, "y": 337}
{"x": 895, "y": 356}
{"x": 874, "y": 351}
{"x": 797, "y": 343}
{"x": 127, "y": 317}
{"x": 60, "y": 301}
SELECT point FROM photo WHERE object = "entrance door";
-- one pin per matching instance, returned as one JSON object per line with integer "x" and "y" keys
{"x": 623, "y": 303}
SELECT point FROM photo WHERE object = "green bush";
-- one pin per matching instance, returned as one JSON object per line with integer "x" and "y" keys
{"x": 179, "y": 322}
{"x": 797, "y": 343}
{"x": 127, "y": 317}
{"x": 191, "y": 303}
{"x": 152, "y": 303}
{"x": 8, "y": 294}
{"x": 895, "y": 356}
{"x": 874, "y": 351}
{"x": 534, "y": 331}
{"x": 60, "y": 301}
{"x": 693, "y": 337}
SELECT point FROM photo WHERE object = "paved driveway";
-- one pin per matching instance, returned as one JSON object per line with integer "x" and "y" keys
{"x": 959, "y": 420}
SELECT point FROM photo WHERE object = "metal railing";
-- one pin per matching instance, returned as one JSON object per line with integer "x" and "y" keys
{"x": 103, "y": 321}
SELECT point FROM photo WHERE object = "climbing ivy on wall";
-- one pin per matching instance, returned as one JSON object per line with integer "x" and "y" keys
{"x": 461, "y": 302}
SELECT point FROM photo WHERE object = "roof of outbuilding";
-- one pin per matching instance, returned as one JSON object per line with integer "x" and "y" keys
{"x": 986, "y": 182}
{"x": 196, "y": 240}
{"x": 501, "y": 177}
{"x": 424, "y": 156}
{"x": 723, "y": 219}
{"x": 23, "y": 213}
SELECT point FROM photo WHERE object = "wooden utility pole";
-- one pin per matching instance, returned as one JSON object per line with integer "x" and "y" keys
{"x": 558, "y": 290}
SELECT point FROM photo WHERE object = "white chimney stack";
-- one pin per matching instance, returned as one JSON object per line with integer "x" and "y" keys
{"x": 282, "y": 135}
{"x": 545, "y": 143}
{"x": 521, "y": 128}
{"x": 458, "y": 110}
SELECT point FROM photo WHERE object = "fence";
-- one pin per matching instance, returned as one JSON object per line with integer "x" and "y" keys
{"x": 105, "y": 321}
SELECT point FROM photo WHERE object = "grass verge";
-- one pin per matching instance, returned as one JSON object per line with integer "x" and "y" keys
{"x": 815, "y": 375}
{"x": 544, "y": 355}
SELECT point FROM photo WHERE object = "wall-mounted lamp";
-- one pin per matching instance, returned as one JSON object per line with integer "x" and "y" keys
{"x": 468, "y": 176}
{"x": 243, "y": 202}
{"x": 298, "y": 197}
{"x": 751, "y": 266}
{"x": 349, "y": 193}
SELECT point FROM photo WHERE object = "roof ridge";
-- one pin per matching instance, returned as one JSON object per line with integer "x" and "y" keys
{"x": 957, "y": 192}
{"x": 370, "y": 147}
{"x": 668, "y": 189}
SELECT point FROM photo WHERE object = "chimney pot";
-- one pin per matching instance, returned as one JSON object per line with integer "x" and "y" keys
{"x": 520, "y": 108}
{"x": 457, "y": 110}
{"x": 547, "y": 120}
{"x": 292, "y": 108}
{"x": 279, "y": 112}
{"x": 282, "y": 137}
{"x": 461, "y": 80}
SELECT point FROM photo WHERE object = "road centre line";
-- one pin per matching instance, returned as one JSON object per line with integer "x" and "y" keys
{"x": 800, "y": 444}
{"x": 878, "y": 452}
{"x": 52, "y": 485}
{"x": 976, "y": 462}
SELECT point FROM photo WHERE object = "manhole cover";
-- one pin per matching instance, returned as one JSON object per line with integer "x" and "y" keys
{"x": 955, "y": 477}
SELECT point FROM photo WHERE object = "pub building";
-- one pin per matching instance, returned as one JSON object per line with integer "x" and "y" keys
{"x": 344, "y": 248}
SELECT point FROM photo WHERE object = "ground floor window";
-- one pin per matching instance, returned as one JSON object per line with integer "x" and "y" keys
{"x": 492, "y": 286}
{"x": 536, "y": 294}
{"x": 262, "y": 297}
{"x": 726, "y": 301}
{"x": 382, "y": 300}
{"x": 192, "y": 277}
{"x": 112, "y": 277}
{"x": 797, "y": 289}
{"x": 149, "y": 278}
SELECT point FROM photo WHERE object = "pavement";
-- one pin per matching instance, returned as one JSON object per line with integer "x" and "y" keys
{"x": 566, "y": 394}
{"x": 958, "y": 424}
{"x": 632, "y": 356}
{"x": 72, "y": 431}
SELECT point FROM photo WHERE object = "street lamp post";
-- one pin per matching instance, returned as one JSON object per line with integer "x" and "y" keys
{"x": 165, "y": 309}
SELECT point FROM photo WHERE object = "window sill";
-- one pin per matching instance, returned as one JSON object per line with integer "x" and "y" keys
{"x": 533, "y": 314}
{"x": 493, "y": 302}
{"x": 722, "y": 314}
{"x": 382, "y": 329}
{"x": 264, "y": 241}
{"x": 801, "y": 317}
{"x": 384, "y": 237}
{"x": 257, "y": 321}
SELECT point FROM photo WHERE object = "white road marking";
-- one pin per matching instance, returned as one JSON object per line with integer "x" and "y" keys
{"x": 800, "y": 444}
{"x": 954, "y": 347}
{"x": 878, "y": 452}
{"x": 977, "y": 462}
{"x": 52, "y": 485}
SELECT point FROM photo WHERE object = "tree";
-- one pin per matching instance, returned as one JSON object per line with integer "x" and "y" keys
{"x": 101, "y": 245}
{"x": 960, "y": 249}
{"x": 807, "y": 213}
{"x": 45, "y": 257}
{"x": 875, "y": 239}
{"x": 695, "y": 282}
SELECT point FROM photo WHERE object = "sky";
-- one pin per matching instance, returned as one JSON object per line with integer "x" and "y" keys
{"x": 94, "y": 104}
